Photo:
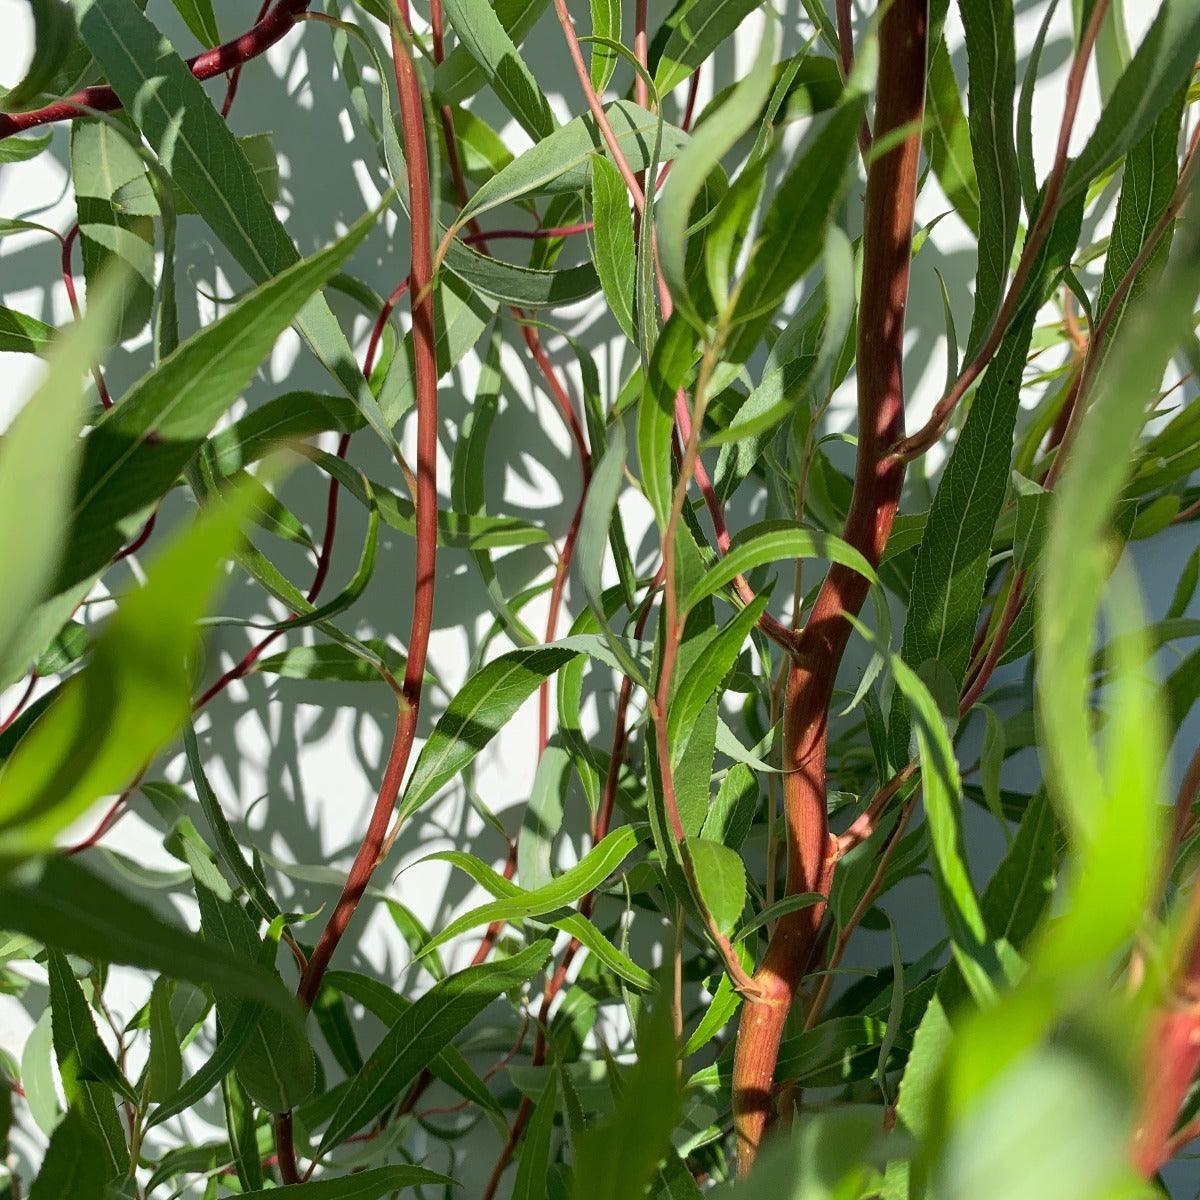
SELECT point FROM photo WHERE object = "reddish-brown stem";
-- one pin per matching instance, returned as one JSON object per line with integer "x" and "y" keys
{"x": 845, "y": 32}
{"x": 1172, "y": 1055}
{"x": 68, "y": 278}
{"x": 865, "y": 901}
{"x": 866, "y": 824}
{"x": 887, "y": 243}
{"x": 226, "y": 57}
{"x": 925, "y": 437}
{"x": 235, "y": 76}
{"x": 421, "y": 293}
{"x": 529, "y": 235}
{"x": 19, "y": 707}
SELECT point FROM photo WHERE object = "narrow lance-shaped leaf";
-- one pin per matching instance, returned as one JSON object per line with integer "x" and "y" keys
{"x": 991, "y": 104}
{"x": 561, "y": 162}
{"x": 47, "y": 429}
{"x": 138, "y": 678}
{"x": 136, "y": 452}
{"x": 65, "y": 906}
{"x": 172, "y": 110}
{"x": 480, "y": 31}
{"x": 697, "y": 161}
{"x": 441, "y": 1014}
{"x": 483, "y": 706}
{"x": 1076, "y": 555}
{"x": 576, "y": 881}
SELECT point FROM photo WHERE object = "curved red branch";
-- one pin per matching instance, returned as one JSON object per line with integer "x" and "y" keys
{"x": 226, "y": 57}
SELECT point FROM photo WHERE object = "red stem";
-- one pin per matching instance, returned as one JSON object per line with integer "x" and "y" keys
{"x": 19, "y": 707}
{"x": 887, "y": 241}
{"x": 929, "y": 433}
{"x": 425, "y": 370}
{"x": 235, "y": 76}
{"x": 226, "y": 57}
{"x": 531, "y": 235}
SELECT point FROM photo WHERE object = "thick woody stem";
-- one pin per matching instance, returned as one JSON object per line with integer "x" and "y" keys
{"x": 887, "y": 246}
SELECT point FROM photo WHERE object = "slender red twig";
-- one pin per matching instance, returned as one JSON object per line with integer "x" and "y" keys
{"x": 529, "y": 235}
{"x": 235, "y": 76}
{"x": 19, "y": 707}
{"x": 925, "y": 437}
{"x": 421, "y": 293}
{"x": 226, "y": 57}
{"x": 68, "y": 278}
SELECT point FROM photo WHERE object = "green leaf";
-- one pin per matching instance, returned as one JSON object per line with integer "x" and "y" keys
{"x": 562, "y": 161}
{"x": 793, "y": 226}
{"x": 173, "y": 112}
{"x": 480, "y": 31}
{"x": 673, "y": 357}
{"x": 721, "y": 879}
{"x": 698, "y": 160}
{"x": 198, "y": 17}
{"x": 164, "y": 1070}
{"x": 525, "y": 287}
{"x": 228, "y": 850}
{"x": 449, "y": 1065}
{"x": 73, "y": 1168}
{"x": 21, "y": 149}
{"x": 459, "y": 76}
{"x": 72, "y": 910}
{"x": 616, "y": 1159}
{"x": 82, "y": 1056}
{"x": 775, "y": 541}
{"x": 362, "y": 1185}
{"x": 136, "y": 451}
{"x": 1076, "y": 558}
{"x": 942, "y": 788}
{"x": 585, "y": 876}
{"x": 105, "y": 160}
{"x": 706, "y": 675}
{"x": 991, "y": 92}
{"x": 482, "y": 707}
{"x": 572, "y": 923}
{"x": 1147, "y": 185}
{"x": 1163, "y": 63}
{"x": 23, "y": 334}
{"x": 437, "y": 1017}
{"x": 948, "y": 139}
{"x": 46, "y": 429}
{"x": 697, "y": 28}
{"x": 138, "y": 676}
{"x": 53, "y": 33}
{"x": 612, "y": 241}
{"x": 534, "y": 1161}
{"x": 327, "y": 661}
{"x": 1057, "y": 1123}
{"x": 606, "y": 23}
{"x": 276, "y": 1065}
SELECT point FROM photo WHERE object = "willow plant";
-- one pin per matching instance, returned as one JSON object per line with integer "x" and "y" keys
{"x": 928, "y": 653}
